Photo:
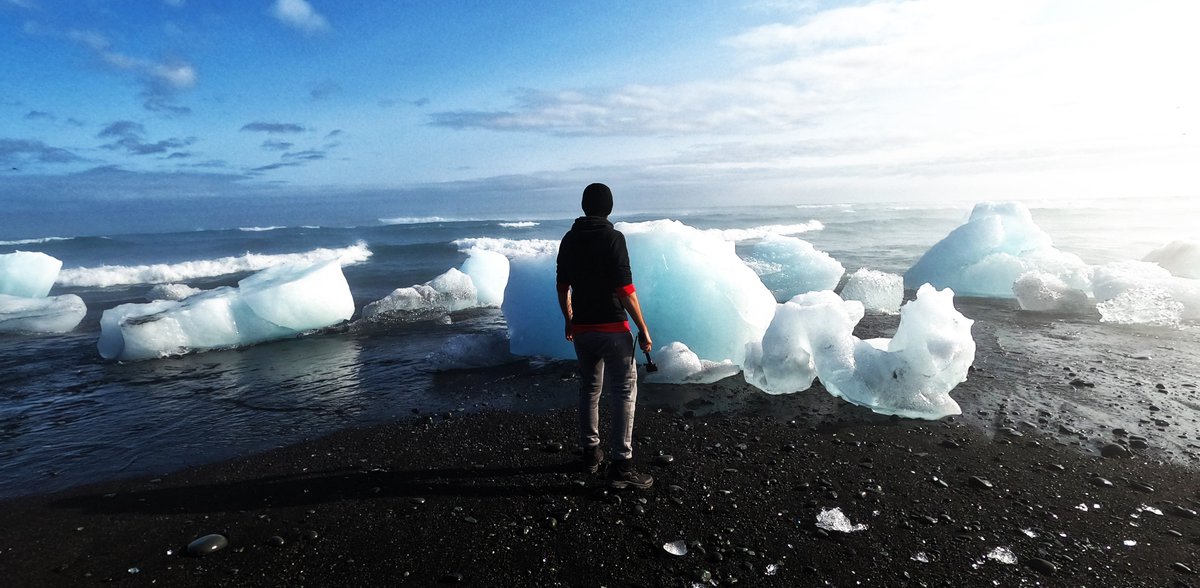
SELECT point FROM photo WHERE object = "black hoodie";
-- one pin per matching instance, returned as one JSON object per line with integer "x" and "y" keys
{"x": 594, "y": 263}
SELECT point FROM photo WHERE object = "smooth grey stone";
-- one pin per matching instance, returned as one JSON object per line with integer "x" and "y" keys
{"x": 1102, "y": 482}
{"x": 980, "y": 483}
{"x": 1113, "y": 450}
{"x": 207, "y": 544}
{"x": 275, "y": 541}
{"x": 662, "y": 460}
{"x": 1041, "y": 566}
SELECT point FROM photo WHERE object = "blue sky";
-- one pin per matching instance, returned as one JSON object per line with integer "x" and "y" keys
{"x": 764, "y": 101}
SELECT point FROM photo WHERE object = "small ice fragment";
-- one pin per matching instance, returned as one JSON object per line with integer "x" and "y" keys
{"x": 1003, "y": 555}
{"x": 1130, "y": 543}
{"x": 771, "y": 570}
{"x": 1082, "y": 507}
{"x": 133, "y": 570}
{"x": 921, "y": 556}
{"x": 835, "y": 520}
{"x": 1095, "y": 506}
{"x": 1030, "y": 533}
{"x": 1149, "y": 509}
{"x": 676, "y": 547}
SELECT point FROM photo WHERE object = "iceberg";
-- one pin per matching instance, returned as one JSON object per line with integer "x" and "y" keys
{"x": 909, "y": 375}
{"x": 985, "y": 256}
{"x": 1042, "y": 292}
{"x": 25, "y": 305}
{"x": 489, "y": 273}
{"x": 1142, "y": 286}
{"x": 1181, "y": 258}
{"x": 52, "y": 314}
{"x": 877, "y": 291}
{"x": 276, "y": 303}
{"x": 448, "y": 292}
{"x": 28, "y": 274}
{"x": 694, "y": 289}
{"x": 692, "y": 286}
{"x": 789, "y": 266}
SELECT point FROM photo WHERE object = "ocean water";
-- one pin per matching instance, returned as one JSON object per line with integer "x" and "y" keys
{"x": 69, "y": 417}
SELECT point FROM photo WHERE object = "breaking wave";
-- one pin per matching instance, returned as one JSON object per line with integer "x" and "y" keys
{"x": 164, "y": 273}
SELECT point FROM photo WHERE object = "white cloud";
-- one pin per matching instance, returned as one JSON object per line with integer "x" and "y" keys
{"x": 299, "y": 14}
{"x": 918, "y": 87}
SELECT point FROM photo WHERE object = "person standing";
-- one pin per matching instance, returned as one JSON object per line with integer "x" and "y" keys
{"x": 596, "y": 294}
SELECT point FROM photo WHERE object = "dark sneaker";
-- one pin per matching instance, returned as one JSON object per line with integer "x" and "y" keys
{"x": 622, "y": 475}
{"x": 591, "y": 459}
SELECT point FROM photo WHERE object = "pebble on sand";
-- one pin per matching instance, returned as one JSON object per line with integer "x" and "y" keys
{"x": 207, "y": 544}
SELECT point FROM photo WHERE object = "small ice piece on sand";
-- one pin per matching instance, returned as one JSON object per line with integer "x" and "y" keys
{"x": 1042, "y": 292}
{"x": 920, "y": 556}
{"x": 678, "y": 365}
{"x": 1146, "y": 306}
{"x": 1150, "y": 509}
{"x": 677, "y": 548}
{"x": 833, "y": 519}
{"x": 1130, "y": 543}
{"x": 878, "y": 291}
{"x": 1003, "y": 555}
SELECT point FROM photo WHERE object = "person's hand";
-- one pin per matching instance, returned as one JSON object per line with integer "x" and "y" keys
{"x": 570, "y": 331}
{"x": 644, "y": 341}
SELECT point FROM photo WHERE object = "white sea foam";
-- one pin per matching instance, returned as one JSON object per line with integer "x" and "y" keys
{"x": 35, "y": 241}
{"x": 163, "y": 273}
{"x": 509, "y": 248}
{"x": 520, "y": 225}
{"x": 765, "y": 230}
{"x": 259, "y": 229}
{"x": 414, "y": 220}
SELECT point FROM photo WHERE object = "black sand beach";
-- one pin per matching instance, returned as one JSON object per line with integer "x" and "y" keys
{"x": 489, "y": 498}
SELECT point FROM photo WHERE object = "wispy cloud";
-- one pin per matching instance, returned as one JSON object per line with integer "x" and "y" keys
{"x": 324, "y": 90}
{"x": 273, "y": 145}
{"x": 161, "y": 81}
{"x": 267, "y": 127}
{"x": 38, "y": 115}
{"x": 22, "y": 150}
{"x": 306, "y": 155}
{"x": 130, "y": 136}
{"x": 299, "y": 15}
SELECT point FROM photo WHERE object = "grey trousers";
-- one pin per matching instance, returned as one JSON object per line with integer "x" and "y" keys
{"x": 606, "y": 362}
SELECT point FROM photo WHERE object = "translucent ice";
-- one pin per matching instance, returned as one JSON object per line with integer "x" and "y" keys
{"x": 489, "y": 274}
{"x": 1043, "y": 292}
{"x": 25, "y": 281}
{"x": 535, "y": 325}
{"x": 695, "y": 289}
{"x": 833, "y": 519}
{"x": 28, "y": 274}
{"x": 789, "y": 266}
{"x": 449, "y": 292}
{"x": 1181, "y": 258}
{"x": 678, "y": 365}
{"x": 1147, "y": 292}
{"x": 909, "y": 375}
{"x": 53, "y": 314}
{"x": 983, "y": 257}
{"x": 280, "y": 302}
{"x": 877, "y": 291}
{"x": 1148, "y": 305}
{"x": 171, "y": 292}
{"x": 1002, "y": 555}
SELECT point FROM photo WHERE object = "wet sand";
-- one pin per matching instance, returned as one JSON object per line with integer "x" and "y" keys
{"x": 484, "y": 497}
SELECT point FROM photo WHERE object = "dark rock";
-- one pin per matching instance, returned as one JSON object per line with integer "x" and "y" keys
{"x": 1041, "y": 566}
{"x": 663, "y": 460}
{"x": 1183, "y": 569}
{"x": 1114, "y": 451}
{"x": 1102, "y": 482}
{"x": 275, "y": 541}
{"x": 207, "y": 544}
{"x": 552, "y": 447}
{"x": 1138, "y": 444}
{"x": 1141, "y": 487}
{"x": 981, "y": 483}
{"x": 452, "y": 578}
{"x": 1180, "y": 511}
{"x": 949, "y": 444}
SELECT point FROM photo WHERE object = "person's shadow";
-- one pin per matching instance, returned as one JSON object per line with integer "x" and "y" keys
{"x": 311, "y": 488}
